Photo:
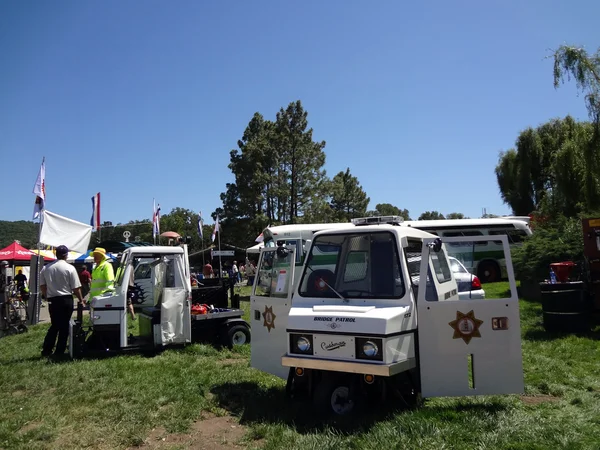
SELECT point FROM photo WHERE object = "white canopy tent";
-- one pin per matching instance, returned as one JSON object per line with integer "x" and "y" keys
{"x": 255, "y": 248}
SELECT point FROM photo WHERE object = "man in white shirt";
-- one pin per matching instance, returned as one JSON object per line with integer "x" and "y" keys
{"x": 236, "y": 272}
{"x": 59, "y": 281}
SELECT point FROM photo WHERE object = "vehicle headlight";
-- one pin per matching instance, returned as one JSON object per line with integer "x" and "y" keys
{"x": 303, "y": 344}
{"x": 370, "y": 349}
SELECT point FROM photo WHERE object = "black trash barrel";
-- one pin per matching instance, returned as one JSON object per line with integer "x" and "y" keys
{"x": 566, "y": 307}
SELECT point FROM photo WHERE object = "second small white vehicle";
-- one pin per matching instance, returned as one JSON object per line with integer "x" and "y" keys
{"x": 469, "y": 286}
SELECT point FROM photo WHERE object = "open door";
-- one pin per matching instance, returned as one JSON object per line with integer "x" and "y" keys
{"x": 468, "y": 347}
{"x": 270, "y": 305}
{"x": 175, "y": 316}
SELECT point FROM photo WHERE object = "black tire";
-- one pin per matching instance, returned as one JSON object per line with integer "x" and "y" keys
{"x": 335, "y": 394}
{"x": 12, "y": 330}
{"x": 236, "y": 335}
{"x": 489, "y": 272}
{"x": 22, "y": 328}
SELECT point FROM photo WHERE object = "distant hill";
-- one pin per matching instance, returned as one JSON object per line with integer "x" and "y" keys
{"x": 23, "y": 231}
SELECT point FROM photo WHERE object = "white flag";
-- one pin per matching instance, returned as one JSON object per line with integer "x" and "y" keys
{"x": 216, "y": 230}
{"x": 39, "y": 189}
{"x": 156, "y": 220}
{"x": 58, "y": 230}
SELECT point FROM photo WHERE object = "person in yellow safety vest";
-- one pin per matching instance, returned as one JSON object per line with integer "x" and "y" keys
{"x": 103, "y": 276}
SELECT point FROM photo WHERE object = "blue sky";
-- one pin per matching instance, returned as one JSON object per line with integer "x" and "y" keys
{"x": 143, "y": 100}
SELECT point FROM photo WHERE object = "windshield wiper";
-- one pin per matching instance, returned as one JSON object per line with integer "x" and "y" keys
{"x": 329, "y": 286}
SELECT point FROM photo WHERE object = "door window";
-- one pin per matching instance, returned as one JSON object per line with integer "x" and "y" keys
{"x": 461, "y": 234}
{"x": 440, "y": 266}
{"x": 274, "y": 275}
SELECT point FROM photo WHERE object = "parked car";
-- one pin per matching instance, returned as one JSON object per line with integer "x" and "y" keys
{"x": 469, "y": 286}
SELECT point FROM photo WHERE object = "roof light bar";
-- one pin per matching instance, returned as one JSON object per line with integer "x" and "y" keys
{"x": 377, "y": 220}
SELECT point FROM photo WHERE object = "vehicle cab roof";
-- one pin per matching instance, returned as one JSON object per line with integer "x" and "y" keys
{"x": 156, "y": 249}
{"x": 399, "y": 231}
{"x": 280, "y": 229}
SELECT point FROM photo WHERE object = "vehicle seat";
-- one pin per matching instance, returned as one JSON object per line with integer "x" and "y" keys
{"x": 382, "y": 265}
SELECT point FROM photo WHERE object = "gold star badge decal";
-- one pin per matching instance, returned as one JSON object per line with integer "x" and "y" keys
{"x": 269, "y": 318}
{"x": 466, "y": 326}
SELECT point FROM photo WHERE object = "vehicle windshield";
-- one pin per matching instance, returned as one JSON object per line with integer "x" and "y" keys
{"x": 353, "y": 265}
{"x": 456, "y": 266}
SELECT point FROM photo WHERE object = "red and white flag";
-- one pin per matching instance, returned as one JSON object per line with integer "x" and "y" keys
{"x": 95, "y": 220}
{"x": 39, "y": 189}
{"x": 261, "y": 236}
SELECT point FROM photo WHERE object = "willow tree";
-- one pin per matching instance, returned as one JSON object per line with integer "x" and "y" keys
{"x": 576, "y": 63}
{"x": 545, "y": 169}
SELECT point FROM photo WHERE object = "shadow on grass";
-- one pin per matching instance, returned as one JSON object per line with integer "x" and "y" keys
{"x": 539, "y": 334}
{"x": 254, "y": 404}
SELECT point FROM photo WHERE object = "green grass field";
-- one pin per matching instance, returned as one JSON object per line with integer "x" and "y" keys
{"x": 202, "y": 397}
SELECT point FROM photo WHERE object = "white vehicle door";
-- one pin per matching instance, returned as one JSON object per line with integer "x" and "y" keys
{"x": 270, "y": 305}
{"x": 175, "y": 319}
{"x": 468, "y": 347}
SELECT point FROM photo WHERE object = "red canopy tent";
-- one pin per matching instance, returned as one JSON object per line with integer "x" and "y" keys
{"x": 16, "y": 252}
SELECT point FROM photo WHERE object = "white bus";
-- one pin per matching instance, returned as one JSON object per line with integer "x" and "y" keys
{"x": 484, "y": 259}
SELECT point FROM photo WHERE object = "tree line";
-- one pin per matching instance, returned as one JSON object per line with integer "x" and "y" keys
{"x": 183, "y": 221}
{"x": 554, "y": 169}
{"x": 553, "y": 172}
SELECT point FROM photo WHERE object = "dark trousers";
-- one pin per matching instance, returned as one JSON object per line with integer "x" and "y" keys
{"x": 61, "y": 310}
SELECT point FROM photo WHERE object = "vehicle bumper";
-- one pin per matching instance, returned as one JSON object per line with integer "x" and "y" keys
{"x": 383, "y": 370}
{"x": 472, "y": 295}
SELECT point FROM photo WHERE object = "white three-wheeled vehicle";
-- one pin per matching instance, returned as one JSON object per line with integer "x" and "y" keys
{"x": 166, "y": 321}
{"x": 376, "y": 314}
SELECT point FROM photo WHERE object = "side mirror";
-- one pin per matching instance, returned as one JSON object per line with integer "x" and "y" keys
{"x": 282, "y": 252}
{"x": 435, "y": 245}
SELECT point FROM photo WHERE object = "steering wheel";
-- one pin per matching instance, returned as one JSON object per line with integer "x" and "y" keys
{"x": 318, "y": 281}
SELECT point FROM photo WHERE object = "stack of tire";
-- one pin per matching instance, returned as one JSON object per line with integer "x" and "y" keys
{"x": 566, "y": 307}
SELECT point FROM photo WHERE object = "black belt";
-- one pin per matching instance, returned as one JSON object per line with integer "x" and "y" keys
{"x": 60, "y": 297}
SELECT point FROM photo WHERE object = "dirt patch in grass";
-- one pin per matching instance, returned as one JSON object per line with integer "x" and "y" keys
{"x": 537, "y": 399}
{"x": 211, "y": 432}
{"x": 29, "y": 426}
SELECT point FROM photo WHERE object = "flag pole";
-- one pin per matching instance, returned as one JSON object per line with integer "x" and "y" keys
{"x": 38, "y": 267}
{"x": 220, "y": 265}
{"x": 201, "y": 224}
{"x": 38, "y": 270}
{"x": 202, "y": 247}
{"x": 98, "y": 219}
